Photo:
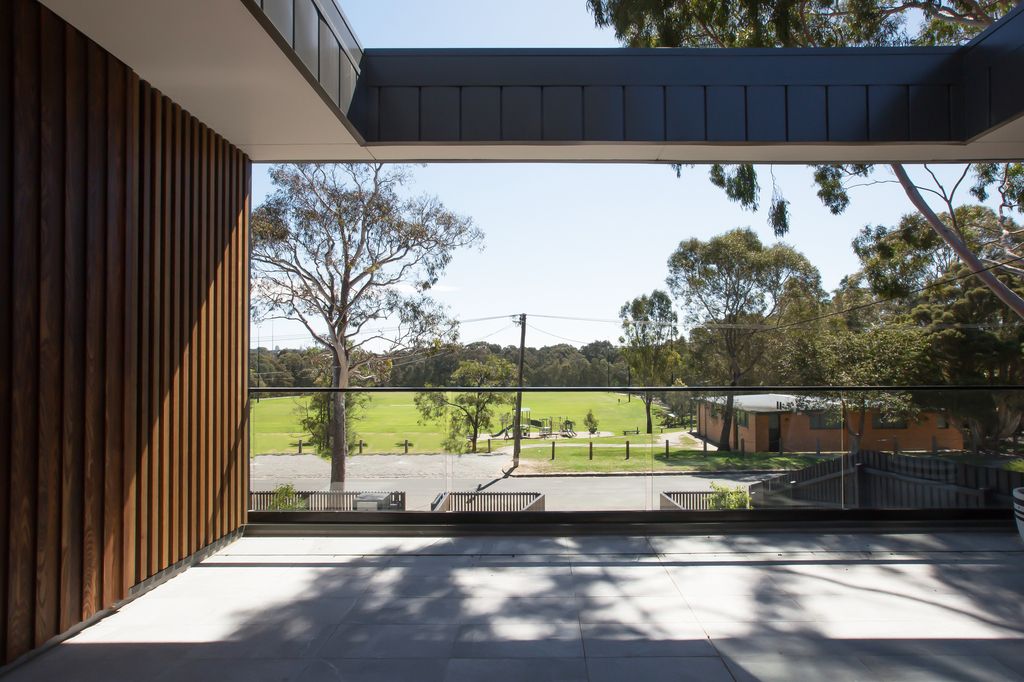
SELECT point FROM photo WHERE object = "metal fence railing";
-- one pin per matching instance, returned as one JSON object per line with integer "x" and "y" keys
{"x": 318, "y": 500}
{"x": 474, "y": 501}
{"x": 690, "y": 500}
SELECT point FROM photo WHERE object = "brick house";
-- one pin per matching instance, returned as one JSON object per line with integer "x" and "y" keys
{"x": 772, "y": 422}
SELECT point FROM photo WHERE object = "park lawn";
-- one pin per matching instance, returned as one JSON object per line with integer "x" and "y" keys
{"x": 575, "y": 459}
{"x": 386, "y": 420}
{"x": 275, "y": 425}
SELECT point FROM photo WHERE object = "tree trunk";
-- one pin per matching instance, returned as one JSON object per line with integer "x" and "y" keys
{"x": 648, "y": 399}
{"x": 855, "y": 436}
{"x": 338, "y": 424}
{"x": 1002, "y": 292}
{"x": 723, "y": 441}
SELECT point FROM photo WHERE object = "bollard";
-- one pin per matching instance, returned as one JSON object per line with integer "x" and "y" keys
{"x": 627, "y": 449}
{"x": 895, "y": 446}
{"x": 361, "y": 444}
{"x": 705, "y": 441}
{"x": 935, "y": 445}
{"x": 817, "y": 446}
{"x": 591, "y": 449}
{"x": 743, "y": 446}
{"x": 780, "y": 445}
{"x": 666, "y": 446}
{"x": 407, "y": 446}
{"x": 300, "y": 446}
{"x": 552, "y": 451}
{"x": 488, "y": 445}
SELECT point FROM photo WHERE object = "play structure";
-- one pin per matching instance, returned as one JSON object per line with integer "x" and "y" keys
{"x": 529, "y": 427}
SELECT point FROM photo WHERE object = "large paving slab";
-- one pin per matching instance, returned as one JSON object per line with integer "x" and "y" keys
{"x": 771, "y": 606}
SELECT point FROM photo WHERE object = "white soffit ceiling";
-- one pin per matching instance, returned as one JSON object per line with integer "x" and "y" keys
{"x": 214, "y": 59}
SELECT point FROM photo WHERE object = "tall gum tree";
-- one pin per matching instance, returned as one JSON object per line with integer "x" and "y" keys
{"x": 738, "y": 289}
{"x": 649, "y": 334}
{"x": 345, "y": 252}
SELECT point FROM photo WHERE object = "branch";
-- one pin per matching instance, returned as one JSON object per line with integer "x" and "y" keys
{"x": 1002, "y": 292}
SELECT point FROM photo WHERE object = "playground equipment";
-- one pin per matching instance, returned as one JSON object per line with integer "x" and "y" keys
{"x": 543, "y": 426}
{"x": 508, "y": 425}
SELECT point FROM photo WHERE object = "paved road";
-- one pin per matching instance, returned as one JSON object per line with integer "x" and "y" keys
{"x": 422, "y": 477}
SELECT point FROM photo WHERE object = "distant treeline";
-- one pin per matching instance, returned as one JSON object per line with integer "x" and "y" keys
{"x": 596, "y": 364}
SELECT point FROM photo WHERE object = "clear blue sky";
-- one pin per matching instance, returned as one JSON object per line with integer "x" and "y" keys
{"x": 577, "y": 239}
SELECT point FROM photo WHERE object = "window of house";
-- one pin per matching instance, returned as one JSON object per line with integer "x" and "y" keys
{"x": 880, "y": 421}
{"x": 824, "y": 420}
{"x": 941, "y": 421}
{"x": 741, "y": 418}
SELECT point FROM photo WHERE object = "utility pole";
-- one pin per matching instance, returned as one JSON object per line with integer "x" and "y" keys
{"x": 517, "y": 417}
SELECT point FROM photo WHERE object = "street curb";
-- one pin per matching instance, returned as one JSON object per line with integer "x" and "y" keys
{"x": 649, "y": 473}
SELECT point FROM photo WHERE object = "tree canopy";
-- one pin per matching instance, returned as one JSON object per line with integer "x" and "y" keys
{"x": 465, "y": 412}
{"x": 649, "y": 334}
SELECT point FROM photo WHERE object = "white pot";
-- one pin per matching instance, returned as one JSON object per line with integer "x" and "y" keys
{"x": 1018, "y": 509}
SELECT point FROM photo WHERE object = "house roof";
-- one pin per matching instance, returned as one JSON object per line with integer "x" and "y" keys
{"x": 761, "y": 402}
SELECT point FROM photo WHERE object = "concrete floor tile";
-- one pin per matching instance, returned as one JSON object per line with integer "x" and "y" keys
{"x": 100, "y": 663}
{"x": 752, "y": 608}
{"x": 688, "y": 669}
{"x": 608, "y": 544}
{"x": 795, "y": 668}
{"x": 974, "y": 668}
{"x": 779, "y": 606}
{"x": 622, "y": 640}
{"x": 236, "y": 670}
{"x": 611, "y": 609}
{"x": 517, "y": 670}
{"x": 380, "y": 608}
{"x": 358, "y": 640}
{"x": 519, "y": 640}
{"x": 374, "y": 670}
{"x": 501, "y": 609}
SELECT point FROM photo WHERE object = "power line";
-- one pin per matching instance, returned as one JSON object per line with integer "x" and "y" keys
{"x": 638, "y": 323}
{"x": 563, "y": 338}
{"x": 869, "y": 304}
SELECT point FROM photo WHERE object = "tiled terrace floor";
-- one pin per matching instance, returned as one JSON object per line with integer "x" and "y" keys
{"x": 742, "y": 607}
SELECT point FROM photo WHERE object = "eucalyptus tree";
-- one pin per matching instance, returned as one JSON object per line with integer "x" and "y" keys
{"x": 343, "y": 250}
{"x": 738, "y": 291}
{"x": 467, "y": 412}
{"x": 648, "y": 337}
{"x": 835, "y": 23}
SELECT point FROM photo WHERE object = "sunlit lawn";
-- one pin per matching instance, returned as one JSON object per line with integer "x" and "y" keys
{"x": 386, "y": 420}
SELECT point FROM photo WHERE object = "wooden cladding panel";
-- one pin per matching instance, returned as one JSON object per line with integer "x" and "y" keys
{"x": 123, "y": 330}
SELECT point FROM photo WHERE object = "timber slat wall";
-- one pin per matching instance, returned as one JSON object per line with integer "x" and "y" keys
{"x": 123, "y": 329}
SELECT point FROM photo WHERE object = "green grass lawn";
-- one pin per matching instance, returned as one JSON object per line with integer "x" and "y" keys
{"x": 575, "y": 458}
{"x": 386, "y": 420}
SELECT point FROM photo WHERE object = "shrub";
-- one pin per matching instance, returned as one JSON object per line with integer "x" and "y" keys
{"x": 729, "y": 497}
{"x": 590, "y": 421}
{"x": 286, "y": 499}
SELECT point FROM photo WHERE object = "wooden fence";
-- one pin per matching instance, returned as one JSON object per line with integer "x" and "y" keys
{"x": 881, "y": 480}
{"x": 474, "y": 501}
{"x": 690, "y": 500}
{"x": 319, "y": 500}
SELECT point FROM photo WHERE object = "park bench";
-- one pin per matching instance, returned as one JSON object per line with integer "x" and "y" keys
{"x": 635, "y": 432}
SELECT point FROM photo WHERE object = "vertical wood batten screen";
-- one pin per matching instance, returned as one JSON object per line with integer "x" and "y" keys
{"x": 123, "y": 329}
